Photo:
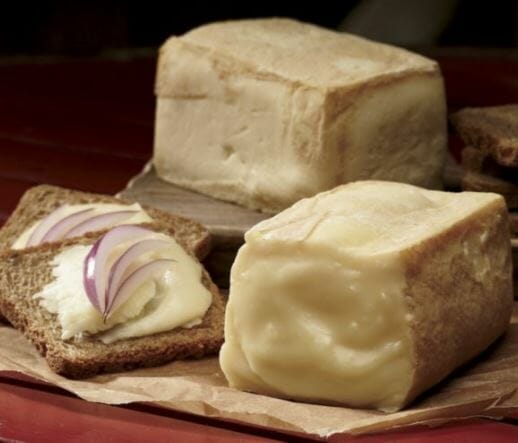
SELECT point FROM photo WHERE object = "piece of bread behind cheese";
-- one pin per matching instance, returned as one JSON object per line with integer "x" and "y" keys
{"x": 490, "y": 159}
{"x": 368, "y": 294}
{"x": 265, "y": 112}
{"x": 23, "y": 273}
{"x": 493, "y": 129}
{"x": 482, "y": 173}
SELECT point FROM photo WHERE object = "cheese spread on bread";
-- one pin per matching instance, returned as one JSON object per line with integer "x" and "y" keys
{"x": 175, "y": 298}
{"x": 98, "y": 208}
{"x": 367, "y": 294}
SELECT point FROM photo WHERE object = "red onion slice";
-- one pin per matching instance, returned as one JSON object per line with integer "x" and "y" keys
{"x": 119, "y": 270}
{"x": 134, "y": 280}
{"x": 44, "y": 225}
{"x": 95, "y": 271}
{"x": 60, "y": 229}
{"x": 101, "y": 221}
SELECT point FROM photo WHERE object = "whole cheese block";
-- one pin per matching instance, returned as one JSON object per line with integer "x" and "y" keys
{"x": 266, "y": 112}
{"x": 368, "y": 294}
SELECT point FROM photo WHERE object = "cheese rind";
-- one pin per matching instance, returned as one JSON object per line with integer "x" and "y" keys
{"x": 347, "y": 297}
{"x": 266, "y": 112}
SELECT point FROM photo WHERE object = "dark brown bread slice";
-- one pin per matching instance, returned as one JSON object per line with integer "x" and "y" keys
{"x": 482, "y": 173}
{"x": 25, "y": 272}
{"x": 492, "y": 129}
{"x": 473, "y": 159}
{"x": 41, "y": 200}
{"x": 478, "y": 160}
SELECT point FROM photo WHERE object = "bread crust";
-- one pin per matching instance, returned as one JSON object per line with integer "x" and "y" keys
{"x": 492, "y": 129}
{"x": 458, "y": 311}
{"x": 25, "y": 272}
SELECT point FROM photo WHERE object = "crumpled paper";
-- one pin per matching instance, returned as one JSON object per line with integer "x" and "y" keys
{"x": 487, "y": 387}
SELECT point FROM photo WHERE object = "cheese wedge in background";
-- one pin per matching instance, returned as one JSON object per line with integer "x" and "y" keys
{"x": 368, "y": 294}
{"x": 266, "y": 112}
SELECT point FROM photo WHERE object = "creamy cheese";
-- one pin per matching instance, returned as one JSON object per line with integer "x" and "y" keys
{"x": 176, "y": 298}
{"x": 317, "y": 306}
{"x": 307, "y": 323}
{"x": 98, "y": 208}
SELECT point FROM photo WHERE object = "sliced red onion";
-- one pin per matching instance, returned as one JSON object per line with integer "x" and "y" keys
{"x": 61, "y": 228}
{"x": 134, "y": 280}
{"x": 101, "y": 221}
{"x": 119, "y": 270}
{"x": 95, "y": 270}
{"x": 44, "y": 225}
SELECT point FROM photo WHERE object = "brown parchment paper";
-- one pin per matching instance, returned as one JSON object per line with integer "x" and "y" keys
{"x": 488, "y": 387}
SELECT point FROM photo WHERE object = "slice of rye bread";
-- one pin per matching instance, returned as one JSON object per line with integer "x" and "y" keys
{"x": 41, "y": 200}
{"x": 25, "y": 272}
{"x": 481, "y": 173}
{"x": 473, "y": 159}
{"x": 492, "y": 129}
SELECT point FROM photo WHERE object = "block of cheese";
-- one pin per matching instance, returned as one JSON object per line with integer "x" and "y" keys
{"x": 266, "y": 112}
{"x": 368, "y": 294}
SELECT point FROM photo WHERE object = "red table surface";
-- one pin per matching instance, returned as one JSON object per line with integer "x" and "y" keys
{"x": 88, "y": 124}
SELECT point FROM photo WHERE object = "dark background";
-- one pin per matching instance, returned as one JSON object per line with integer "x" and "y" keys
{"x": 91, "y": 28}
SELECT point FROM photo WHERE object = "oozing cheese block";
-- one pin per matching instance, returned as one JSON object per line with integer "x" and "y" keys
{"x": 368, "y": 294}
{"x": 266, "y": 112}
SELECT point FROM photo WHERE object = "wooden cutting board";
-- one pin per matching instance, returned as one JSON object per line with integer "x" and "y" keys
{"x": 226, "y": 222}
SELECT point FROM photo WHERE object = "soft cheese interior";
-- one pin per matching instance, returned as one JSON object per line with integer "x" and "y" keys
{"x": 317, "y": 308}
{"x": 174, "y": 298}
{"x": 265, "y": 113}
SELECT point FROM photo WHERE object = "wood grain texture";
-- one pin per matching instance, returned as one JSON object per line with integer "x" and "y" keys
{"x": 479, "y": 81}
{"x": 226, "y": 222}
{"x": 223, "y": 219}
{"x": 62, "y": 418}
{"x": 76, "y": 169}
{"x": 86, "y": 130}
{"x": 104, "y": 106}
